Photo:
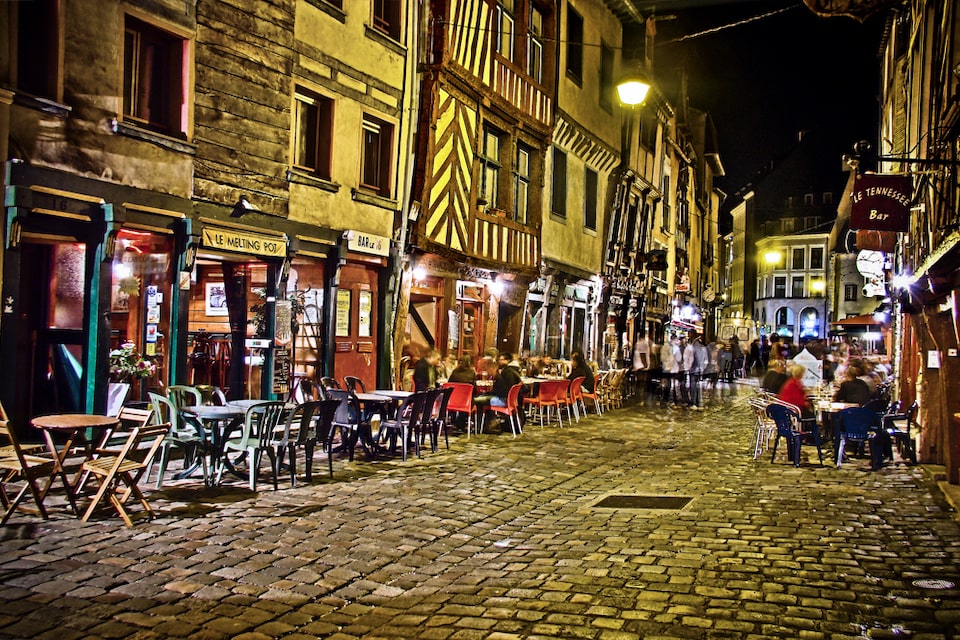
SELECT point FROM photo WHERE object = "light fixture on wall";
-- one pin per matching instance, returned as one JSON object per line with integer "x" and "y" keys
{"x": 242, "y": 207}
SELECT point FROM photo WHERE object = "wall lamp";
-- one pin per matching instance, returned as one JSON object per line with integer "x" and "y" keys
{"x": 242, "y": 207}
{"x": 632, "y": 90}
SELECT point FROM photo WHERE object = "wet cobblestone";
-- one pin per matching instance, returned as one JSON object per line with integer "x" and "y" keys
{"x": 500, "y": 538}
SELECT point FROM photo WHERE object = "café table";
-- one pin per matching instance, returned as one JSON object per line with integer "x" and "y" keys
{"x": 72, "y": 427}
{"x": 220, "y": 421}
{"x": 826, "y": 410}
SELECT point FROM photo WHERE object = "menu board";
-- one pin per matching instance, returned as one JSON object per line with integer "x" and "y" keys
{"x": 281, "y": 370}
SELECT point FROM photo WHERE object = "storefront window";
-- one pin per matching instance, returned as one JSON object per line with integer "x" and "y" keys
{"x": 67, "y": 287}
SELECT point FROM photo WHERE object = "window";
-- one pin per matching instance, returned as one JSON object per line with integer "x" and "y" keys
{"x": 606, "y": 77}
{"x": 816, "y": 257}
{"x": 574, "y": 45}
{"x": 386, "y": 17}
{"x": 558, "y": 203}
{"x": 849, "y": 293}
{"x": 535, "y": 45}
{"x": 313, "y": 128}
{"x": 789, "y": 225}
{"x": 153, "y": 92}
{"x": 521, "y": 185}
{"x": 490, "y": 168}
{"x": 590, "y": 200}
{"x": 827, "y": 197}
{"x": 808, "y": 199}
{"x": 780, "y": 287}
{"x": 503, "y": 24}
{"x": 377, "y": 144}
{"x": 797, "y": 258}
{"x": 665, "y": 205}
{"x": 796, "y": 289}
{"x": 38, "y": 48}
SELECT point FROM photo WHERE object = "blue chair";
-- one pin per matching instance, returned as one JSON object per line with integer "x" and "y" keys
{"x": 788, "y": 421}
{"x": 860, "y": 425}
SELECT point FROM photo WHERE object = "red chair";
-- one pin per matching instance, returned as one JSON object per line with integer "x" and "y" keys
{"x": 461, "y": 401}
{"x": 576, "y": 396}
{"x": 546, "y": 398}
{"x": 587, "y": 395}
{"x": 564, "y": 401}
{"x": 512, "y": 410}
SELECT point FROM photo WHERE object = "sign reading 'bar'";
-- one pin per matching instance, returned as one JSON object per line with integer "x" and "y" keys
{"x": 881, "y": 202}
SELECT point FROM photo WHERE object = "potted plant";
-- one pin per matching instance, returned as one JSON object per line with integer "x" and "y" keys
{"x": 126, "y": 365}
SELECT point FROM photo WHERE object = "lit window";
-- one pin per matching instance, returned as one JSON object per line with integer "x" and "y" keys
{"x": 153, "y": 72}
{"x": 490, "y": 168}
{"x": 386, "y": 17}
{"x": 313, "y": 127}
{"x": 377, "y": 143}
{"x": 849, "y": 293}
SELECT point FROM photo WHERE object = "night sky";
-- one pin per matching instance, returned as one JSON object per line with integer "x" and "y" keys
{"x": 766, "y": 80}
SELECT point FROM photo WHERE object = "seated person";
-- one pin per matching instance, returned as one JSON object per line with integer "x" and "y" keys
{"x": 542, "y": 367}
{"x": 508, "y": 375}
{"x": 464, "y": 372}
{"x": 853, "y": 389}
{"x": 581, "y": 368}
{"x": 775, "y": 376}
{"x": 793, "y": 391}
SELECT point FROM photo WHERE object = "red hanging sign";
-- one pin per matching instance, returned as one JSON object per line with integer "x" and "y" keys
{"x": 881, "y": 202}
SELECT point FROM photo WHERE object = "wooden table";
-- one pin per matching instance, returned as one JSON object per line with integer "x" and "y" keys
{"x": 71, "y": 426}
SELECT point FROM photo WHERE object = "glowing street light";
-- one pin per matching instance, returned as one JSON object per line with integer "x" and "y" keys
{"x": 818, "y": 286}
{"x": 632, "y": 90}
{"x": 772, "y": 257}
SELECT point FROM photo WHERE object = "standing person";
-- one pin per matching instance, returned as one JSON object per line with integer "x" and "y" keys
{"x": 425, "y": 371}
{"x": 710, "y": 369}
{"x": 687, "y": 357}
{"x": 736, "y": 355}
{"x": 668, "y": 365}
{"x": 641, "y": 366}
{"x": 700, "y": 357}
{"x": 753, "y": 360}
{"x": 579, "y": 367}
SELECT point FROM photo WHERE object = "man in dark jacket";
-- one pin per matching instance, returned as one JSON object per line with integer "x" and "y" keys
{"x": 508, "y": 374}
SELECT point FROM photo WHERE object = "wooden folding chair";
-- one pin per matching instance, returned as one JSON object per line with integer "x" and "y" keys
{"x": 15, "y": 464}
{"x": 118, "y": 473}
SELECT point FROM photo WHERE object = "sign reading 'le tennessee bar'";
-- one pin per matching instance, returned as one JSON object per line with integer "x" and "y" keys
{"x": 881, "y": 202}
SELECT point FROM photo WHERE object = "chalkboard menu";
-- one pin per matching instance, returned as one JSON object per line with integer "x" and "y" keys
{"x": 281, "y": 370}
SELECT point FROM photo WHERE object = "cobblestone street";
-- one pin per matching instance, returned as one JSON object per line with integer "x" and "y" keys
{"x": 502, "y": 538}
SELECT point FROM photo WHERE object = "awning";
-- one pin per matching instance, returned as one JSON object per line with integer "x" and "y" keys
{"x": 865, "y": 320}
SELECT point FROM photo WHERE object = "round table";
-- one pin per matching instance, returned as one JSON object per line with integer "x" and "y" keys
{"x": 72, "y": 426}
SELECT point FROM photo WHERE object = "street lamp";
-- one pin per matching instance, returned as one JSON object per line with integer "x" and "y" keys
{"x": 632, "y": 90}
{"x": 772, "y": 257}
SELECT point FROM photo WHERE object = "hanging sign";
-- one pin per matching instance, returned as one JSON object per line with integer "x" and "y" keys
{"x": 881, "y": 202}
{"x": 368, "y": 243}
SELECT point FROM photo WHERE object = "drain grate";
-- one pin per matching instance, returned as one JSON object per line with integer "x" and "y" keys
{"x": 643, "y": 502}
{"x": 937, "y": 585}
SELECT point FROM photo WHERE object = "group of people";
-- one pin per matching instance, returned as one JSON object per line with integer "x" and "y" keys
{"x": 505, "y": 369}
{"x": 675, "y": 373}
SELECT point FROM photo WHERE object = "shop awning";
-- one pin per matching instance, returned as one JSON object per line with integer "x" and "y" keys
{"x": 865, "y": 320}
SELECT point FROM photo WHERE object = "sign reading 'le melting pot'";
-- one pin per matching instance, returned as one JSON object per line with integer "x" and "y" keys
{"x": 881, "y": 202}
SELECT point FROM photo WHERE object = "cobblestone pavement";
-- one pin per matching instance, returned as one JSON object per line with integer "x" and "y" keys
{"x": 502, "y": 538}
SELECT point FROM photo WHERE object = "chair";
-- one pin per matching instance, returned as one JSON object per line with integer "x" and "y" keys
{"x": 764, "y": 427}
{"x": 858, "y": 424}
{"x": 349, "y": 421}
{"x": 406, "y": 422}
{"x": 118, "y": 473}
{"x": 318, "y": 428}
{"x": 15, "y": 463}
{"x": 211, "y": 395}
{"x": 593, "y": 395}
{"x": 898, "y": 425}
{"x": 787, "y": 420}
{"x": 564, "y": 401}
{"x": 576, "y": 396}
{"x": 545, "y": 399}
{"x": 183, "y": 396}
{"x": 354, "y": 384}
{"x": 512, "y": 410}
{"x": 426, "y": 425}
{"x": 184, "y": 434}
{"x": 328, "y": 383}
{"x": 304, "y": 389}
{"x": 440, "y": 416}
{"x": 261, "y": 432}
{"x": 461, "y": 401}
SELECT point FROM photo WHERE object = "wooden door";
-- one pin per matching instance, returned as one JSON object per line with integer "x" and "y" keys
{"x": 355, "y": 337}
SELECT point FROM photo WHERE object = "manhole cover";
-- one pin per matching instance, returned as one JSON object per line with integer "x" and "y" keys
{"x": 643, "y": 502}
{"x": 933, "y": 584}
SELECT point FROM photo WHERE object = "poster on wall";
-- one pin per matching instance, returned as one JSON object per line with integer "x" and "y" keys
{"x": 366, "y": 309}
{"x": 216, "y": 299}
{"x": 343, "y": 312}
